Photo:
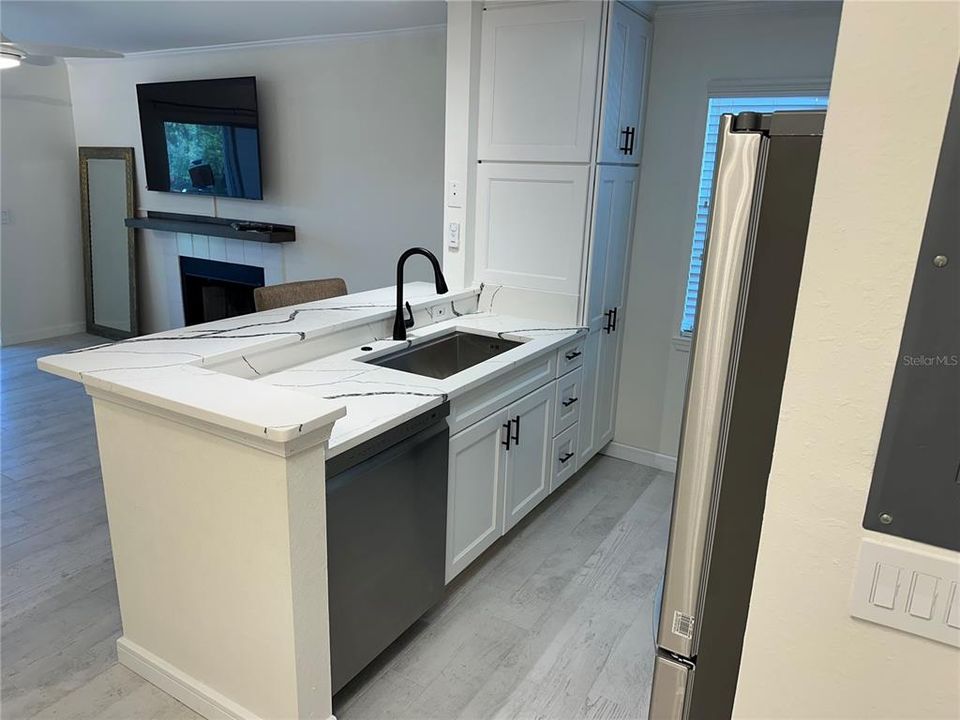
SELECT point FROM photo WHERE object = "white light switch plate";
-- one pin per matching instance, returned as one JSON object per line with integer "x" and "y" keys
{"x": 453, "y": 235}
{"x": 909, "y": 590}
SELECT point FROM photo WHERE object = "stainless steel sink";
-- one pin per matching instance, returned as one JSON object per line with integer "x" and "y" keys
{"x": 446, "y": 355}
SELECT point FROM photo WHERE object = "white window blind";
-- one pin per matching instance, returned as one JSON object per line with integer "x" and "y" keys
{"x": 718, "y": 106}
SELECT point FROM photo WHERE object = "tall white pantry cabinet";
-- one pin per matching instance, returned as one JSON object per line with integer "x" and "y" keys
{"x": 560, "y": 125}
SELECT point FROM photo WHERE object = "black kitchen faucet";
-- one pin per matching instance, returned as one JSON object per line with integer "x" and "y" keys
{"x": 400, "y": 324}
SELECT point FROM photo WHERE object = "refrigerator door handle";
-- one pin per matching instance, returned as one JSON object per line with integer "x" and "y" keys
{"x": 712, "y": 363}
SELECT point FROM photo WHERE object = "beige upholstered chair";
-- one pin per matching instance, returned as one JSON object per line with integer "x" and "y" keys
{"x": 295, "y": 293}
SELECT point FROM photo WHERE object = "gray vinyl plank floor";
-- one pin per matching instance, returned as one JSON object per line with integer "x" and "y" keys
{"x": 553, "y": 622}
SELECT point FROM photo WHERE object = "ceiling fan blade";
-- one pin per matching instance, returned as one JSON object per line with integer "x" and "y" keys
{"x": 41, "y": 60}
{"x": 65, "y": 51}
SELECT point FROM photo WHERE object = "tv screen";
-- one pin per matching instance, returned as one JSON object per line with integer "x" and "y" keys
{"x": 202, "y": 137}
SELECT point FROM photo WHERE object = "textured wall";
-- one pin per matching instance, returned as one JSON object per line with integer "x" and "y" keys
{"x": 804, "y": 656}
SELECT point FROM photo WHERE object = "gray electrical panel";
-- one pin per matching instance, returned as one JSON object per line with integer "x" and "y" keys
{"x": 915, "y": 491}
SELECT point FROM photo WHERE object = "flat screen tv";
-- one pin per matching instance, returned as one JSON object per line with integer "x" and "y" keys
{"x": 202, "y": 137}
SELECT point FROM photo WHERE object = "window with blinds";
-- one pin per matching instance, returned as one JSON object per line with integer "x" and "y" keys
{"x": 716, "y": 107}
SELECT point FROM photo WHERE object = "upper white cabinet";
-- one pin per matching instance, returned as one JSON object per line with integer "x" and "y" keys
{"x": 624, "y": 86}
{"x": 538, "y": 80}
{"x": 530, "y": 225}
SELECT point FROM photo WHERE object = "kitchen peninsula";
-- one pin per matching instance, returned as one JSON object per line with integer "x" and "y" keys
{"x": 214, "y": 442}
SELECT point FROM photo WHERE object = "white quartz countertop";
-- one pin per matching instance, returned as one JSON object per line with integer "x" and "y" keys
{"x": 175, "y": 370}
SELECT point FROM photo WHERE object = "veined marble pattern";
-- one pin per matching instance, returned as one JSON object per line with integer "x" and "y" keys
{"x": 376, "y": 397}
{"x": 184, "y": 370}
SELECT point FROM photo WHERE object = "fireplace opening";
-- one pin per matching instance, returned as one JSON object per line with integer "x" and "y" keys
{"x": 214, "y": 290}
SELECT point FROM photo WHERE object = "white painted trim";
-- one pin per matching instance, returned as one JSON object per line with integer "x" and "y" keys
{"x": 185, "y": 688}
{"x": 252, "y": 44}
{"x": 712, "y": 8}
{"x": 44, "y": 333}
{"x": 640, "y": 456}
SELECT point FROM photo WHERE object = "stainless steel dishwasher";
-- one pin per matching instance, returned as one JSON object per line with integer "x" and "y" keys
{"x": 386, "y": 538}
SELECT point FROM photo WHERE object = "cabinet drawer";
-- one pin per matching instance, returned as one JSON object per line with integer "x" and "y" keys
{"x": 569, "y": 389}
{"x": 500, "y": 392}
{"x": 564, "y": 456}
{"x": 571, "y": 356}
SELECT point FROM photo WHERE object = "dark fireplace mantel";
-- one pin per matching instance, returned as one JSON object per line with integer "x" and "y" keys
{"x": 215, "y": 227}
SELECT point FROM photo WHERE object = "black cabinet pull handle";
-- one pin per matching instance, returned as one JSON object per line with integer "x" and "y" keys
{"x": 609, "y": 325}
{"x": 614, "y": 311}
{"x": 569, "y": 402}
{"x": 573, "y": 355}
{"x": 632, "y": 133}
{"x": 566, "y": 457}
{"x": 516, "y": 432}
{"x": 506, "y": 443}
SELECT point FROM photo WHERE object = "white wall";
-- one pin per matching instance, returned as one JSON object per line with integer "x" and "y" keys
{"x": 803, "y": 655}
{"x": 352, "y": 135}
{"x": 691, "y": 50}
{"x": 40, "y": 260}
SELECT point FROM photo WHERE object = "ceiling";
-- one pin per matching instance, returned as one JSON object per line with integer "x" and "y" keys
{"x": 130, "y": 26}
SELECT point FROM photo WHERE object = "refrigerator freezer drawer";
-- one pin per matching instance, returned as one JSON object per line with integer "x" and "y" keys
{"x": 671, "y": 684}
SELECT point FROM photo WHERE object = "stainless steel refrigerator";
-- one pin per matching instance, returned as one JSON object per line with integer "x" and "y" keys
{"x": 765, "y": 170}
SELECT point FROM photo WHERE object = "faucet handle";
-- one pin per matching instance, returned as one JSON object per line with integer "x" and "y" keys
{"x": 408, "y": 322}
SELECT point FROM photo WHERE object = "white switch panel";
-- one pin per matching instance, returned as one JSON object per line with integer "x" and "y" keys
{"x": 453, "y": 235}
{"x": 5, "y": 217}
{"x": 909, "y": 590}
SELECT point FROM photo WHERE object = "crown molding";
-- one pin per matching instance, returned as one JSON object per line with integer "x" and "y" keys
{"x": 254, "y": 44}
{"x": 708, "y": 8}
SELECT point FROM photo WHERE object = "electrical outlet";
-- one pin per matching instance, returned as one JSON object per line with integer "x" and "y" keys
{"x": 439, "y": 312}
{"x": 5, "y": 217}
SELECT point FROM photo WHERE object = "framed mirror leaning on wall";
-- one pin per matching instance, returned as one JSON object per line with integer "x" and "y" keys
{"x": 109, "y": 251}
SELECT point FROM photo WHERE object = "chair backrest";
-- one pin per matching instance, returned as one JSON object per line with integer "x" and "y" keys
{"x": 295, "y": 293}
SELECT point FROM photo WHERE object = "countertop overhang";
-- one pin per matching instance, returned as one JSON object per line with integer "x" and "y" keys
{"x": 175, "y": 372}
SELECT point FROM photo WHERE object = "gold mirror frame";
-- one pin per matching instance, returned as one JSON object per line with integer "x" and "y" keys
{"x": 108, "y": 153}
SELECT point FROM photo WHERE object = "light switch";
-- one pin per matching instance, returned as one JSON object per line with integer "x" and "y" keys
{"x": 453, "y": 235}
{"x": 953, "y": 609}
{"x": 923, "y": 595}
{"x": 885, "y": 585}
{"x": 908, "y": 588}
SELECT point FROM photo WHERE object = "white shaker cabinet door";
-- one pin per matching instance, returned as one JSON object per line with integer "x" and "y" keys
{"x": 614, "y": 203}
{"x": 538, "y": 79}
{"x": 529, "y": 458}
{"x": 530, "y": 225}
{"x": 624, "y": 86}
{"x": 475, "y": 491}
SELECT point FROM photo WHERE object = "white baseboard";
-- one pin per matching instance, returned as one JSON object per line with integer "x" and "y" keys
{"x": 44, "y": 333}
{"x": 191, "y": 692}
{"x": 656, "y": 460}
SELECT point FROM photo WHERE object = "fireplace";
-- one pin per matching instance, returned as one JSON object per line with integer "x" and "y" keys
{"x": 213, "y": 290}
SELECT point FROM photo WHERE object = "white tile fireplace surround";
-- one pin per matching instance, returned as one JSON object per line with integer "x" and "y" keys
{"x": 159, "y": 274}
